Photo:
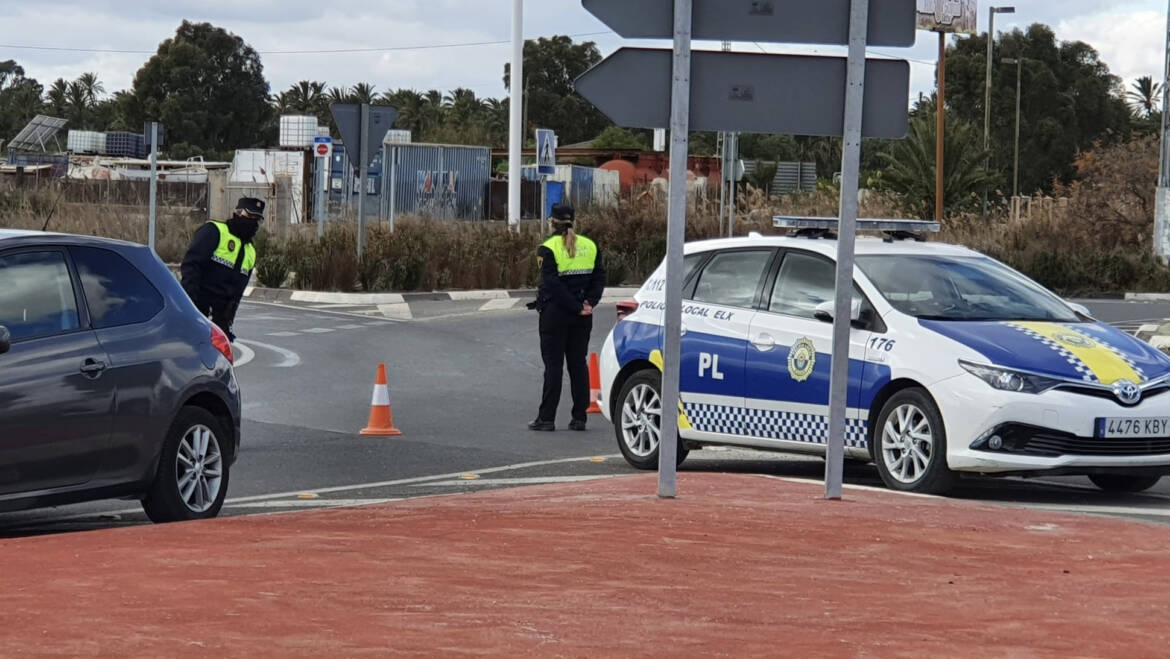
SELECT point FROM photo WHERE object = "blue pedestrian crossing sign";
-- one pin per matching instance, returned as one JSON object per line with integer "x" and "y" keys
{"x": 546, "y": 152}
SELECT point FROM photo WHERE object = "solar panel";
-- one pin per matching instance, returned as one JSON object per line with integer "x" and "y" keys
{"x": 36, "y": 135}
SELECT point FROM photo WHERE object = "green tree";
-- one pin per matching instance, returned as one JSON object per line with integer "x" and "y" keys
{"x": 1069, "y": 102}
{"x": 20, "y": 99}
{"x": 910, "y": 165}
{"x": 616, "y": 138}
{"x": 207, "y": 87}
{"x": 550, "y": 67}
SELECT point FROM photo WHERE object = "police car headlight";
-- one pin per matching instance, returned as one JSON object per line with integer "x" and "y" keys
{"x": 1006, "y": 379}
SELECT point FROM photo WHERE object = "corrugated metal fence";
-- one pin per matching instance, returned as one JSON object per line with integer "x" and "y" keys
{"x": 436, "y": 181}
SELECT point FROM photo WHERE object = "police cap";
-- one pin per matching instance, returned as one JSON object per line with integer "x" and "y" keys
{"x": 562, "y": 212}
{"x": 252, "y": 206}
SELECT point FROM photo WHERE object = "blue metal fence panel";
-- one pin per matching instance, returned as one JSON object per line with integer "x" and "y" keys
{"x": 555, "y": 194}
{"x": 437, "y": 181}
{"x": 581, "y": 186}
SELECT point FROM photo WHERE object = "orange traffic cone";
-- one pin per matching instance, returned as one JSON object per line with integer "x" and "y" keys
{"x": 594, "y": 384}
{"x": 381, "y": 416}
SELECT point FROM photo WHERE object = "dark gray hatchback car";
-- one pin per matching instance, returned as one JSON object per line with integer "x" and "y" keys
{"x": 112, "y": 384}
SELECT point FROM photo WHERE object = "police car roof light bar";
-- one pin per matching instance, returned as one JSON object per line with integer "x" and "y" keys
{"x": 830, "y": 224}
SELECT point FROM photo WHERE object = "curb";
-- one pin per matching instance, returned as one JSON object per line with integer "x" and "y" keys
{"x": 1147, "y": 297}
{"x": 376, "y": 299}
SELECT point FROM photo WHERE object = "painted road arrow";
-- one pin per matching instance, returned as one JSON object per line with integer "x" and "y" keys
{"x": 891, "y": 22}
{"x": 749, "y": 93}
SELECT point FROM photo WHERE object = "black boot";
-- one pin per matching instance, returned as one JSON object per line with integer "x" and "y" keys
{"x": 542, "y": 426}
{"x": 576, "y": 425}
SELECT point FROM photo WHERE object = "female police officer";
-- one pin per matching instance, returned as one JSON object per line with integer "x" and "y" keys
{"x": 571, "y": 282}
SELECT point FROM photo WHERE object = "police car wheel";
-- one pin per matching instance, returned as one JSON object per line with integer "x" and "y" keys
{"x": 911, "y": 446}
{"x": 192, "y": 477}
{"x": 639, "y": 420}
{"x": 1124, "y": 484}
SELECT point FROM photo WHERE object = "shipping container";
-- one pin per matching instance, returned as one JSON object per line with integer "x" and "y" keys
{"x": 607, "y": 187}
{"x": 436, "y": 181}
{"x": 581, "y": 188}
{"x": 86, "y": 142}
{"x": 278, "y": 177}
{"x": 296, "y": 131}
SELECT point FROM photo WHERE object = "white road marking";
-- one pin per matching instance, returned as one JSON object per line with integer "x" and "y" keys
{"x": 500, "y": 304}
{"x": 349, "y": 327}
{"x": 319, "y": 297}
{"x": 339, "y": 306}
{"x": 1099, "y": 510}
{"x": 243, "y": 354}
{"x": 317, "y": 330}
{"x": 309, "y": 503}
{"x": 306, "y": 311}
{"x": 289, "y": 358}
{"x": 283, "y": 334}
{"x": 539, "y": 480}
{"x": 397, "y": 311}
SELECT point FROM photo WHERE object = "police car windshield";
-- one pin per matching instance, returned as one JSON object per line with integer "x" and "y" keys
{"x": 961, "y": 288}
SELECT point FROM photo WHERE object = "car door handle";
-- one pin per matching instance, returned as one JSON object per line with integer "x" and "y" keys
{"x": 764, "y": 342}
{"x": 93, "y": 366}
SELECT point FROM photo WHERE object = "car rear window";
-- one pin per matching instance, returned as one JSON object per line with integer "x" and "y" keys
{"x": 115, "y": 291}
{"x": 732, "y": 278}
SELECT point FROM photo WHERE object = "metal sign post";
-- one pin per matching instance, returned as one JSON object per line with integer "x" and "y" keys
{"x": 153, "y": 183}
{"x": 680, "y": 112}
{"x": 364, "y": 125}
{"x": 846, "y": 236}
{"x": 323, "y": 152}
{"x": 746, "y": 92}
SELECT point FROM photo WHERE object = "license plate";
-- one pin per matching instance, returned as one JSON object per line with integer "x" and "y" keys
{"x": 1129, "y": 427}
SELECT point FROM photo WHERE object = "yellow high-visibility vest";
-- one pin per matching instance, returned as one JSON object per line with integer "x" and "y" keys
{"x": 581, "y": 264}
{"x": 228, "y": 250}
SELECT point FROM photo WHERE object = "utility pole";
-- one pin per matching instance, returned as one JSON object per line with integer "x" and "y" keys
{"x": 991, "y": 12}
{"x": 1019, "y": 62}
{"x": 515, "y": 108}
{"x": 941, "y": 111}
{"x": 1161, "y": 233}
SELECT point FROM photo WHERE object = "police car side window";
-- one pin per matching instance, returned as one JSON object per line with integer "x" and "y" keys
{"x": 732, "y": 278}
{"x": 804, "y": 282}
{"x": 115, "y": 291}
{"x": 36, "y": 295}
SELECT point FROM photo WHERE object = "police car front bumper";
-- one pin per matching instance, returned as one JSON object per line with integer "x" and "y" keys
{"x": 1051, "y": 432}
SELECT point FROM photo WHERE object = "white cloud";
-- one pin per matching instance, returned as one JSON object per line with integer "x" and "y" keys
{"x": 1132, "y": 45}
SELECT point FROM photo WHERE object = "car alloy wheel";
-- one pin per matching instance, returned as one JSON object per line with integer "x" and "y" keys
{"x": 642, "y": 420}
{"x": 199, "y": 468}
{"x": 907, "y": 444}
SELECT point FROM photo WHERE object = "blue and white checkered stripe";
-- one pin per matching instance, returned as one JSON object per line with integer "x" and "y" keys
{"x": 771, "y": 424}
{"x": 1081, "y": 368}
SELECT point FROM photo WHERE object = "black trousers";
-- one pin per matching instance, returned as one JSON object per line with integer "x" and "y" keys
{"x": 221, "y": 312}
{"x": 564, "y": 341}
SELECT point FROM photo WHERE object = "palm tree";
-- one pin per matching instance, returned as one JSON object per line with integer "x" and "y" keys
{"x": 76, "y": 103}
{"x": 410, "y": 109}
{"x": 362, "y": 93}
{"x": 57, "y": 98}
{"x": 1145, "y": 96}
{"x": 339, "y": 95}
{"x": 462, "y": 107}
{"x": 910, "y": 166}
{"x": 92, "y": 86}
{"x": 495, "y": 122}
{"x": 307, "y": 97}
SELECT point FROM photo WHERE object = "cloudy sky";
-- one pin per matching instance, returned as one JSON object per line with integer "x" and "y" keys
{"x": 408, "y": 43}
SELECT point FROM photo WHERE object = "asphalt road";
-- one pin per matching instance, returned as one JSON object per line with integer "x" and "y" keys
{"x": 463, "y": 387}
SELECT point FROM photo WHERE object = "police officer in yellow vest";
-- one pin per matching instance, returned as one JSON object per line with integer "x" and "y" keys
{"x": 220, "y": 261}
{"x": 572, "y": 279}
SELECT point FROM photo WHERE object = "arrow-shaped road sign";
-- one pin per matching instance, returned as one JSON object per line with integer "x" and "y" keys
{"x": 891, "y": 22}
{"x": 749, "y": 93}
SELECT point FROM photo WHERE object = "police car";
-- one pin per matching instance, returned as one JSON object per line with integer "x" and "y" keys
{"x": 958, "y": 365}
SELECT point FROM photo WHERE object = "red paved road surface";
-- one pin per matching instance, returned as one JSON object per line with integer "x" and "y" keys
{"x": 739, "y": 565}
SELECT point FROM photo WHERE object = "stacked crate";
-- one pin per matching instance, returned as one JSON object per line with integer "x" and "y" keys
{"x": 86, "y": 142}
{"x": 125, "y": 145}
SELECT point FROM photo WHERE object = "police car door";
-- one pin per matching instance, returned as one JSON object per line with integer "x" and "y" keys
{"x": 788, "y": 364}
{"x": 716, "y": 318}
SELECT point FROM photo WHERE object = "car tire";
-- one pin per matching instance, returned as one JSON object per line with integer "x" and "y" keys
{"x": 1124, "y": 484}
{"x": 636, "y": 427}
{"x": 192, "y": 477}
{"x": 910, "y": 444}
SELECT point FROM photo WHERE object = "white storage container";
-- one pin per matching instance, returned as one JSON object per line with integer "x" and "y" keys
{"x": 87, "y": 142}
{"x": 297, "y": 131}
{"x": 395, "y": 136}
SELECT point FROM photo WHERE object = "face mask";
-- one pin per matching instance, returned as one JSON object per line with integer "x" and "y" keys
{"x": 243, "y": 228}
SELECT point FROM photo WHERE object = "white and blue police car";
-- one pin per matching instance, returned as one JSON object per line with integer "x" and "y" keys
{"x": 958, "y": 365}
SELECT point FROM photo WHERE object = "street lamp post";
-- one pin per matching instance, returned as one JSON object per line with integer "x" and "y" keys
{"x": 991, "y": 12}
{"x": 1019, "y": 62}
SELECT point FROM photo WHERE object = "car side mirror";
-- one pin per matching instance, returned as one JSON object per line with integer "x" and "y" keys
{"x": 1080, "y": 308}
{"x": 824, "y": 311}
{"x": 5, "y": 340}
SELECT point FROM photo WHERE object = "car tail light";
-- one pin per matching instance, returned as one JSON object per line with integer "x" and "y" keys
{"x": 221, "y": 343}
{"x": 625, "y": 308}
